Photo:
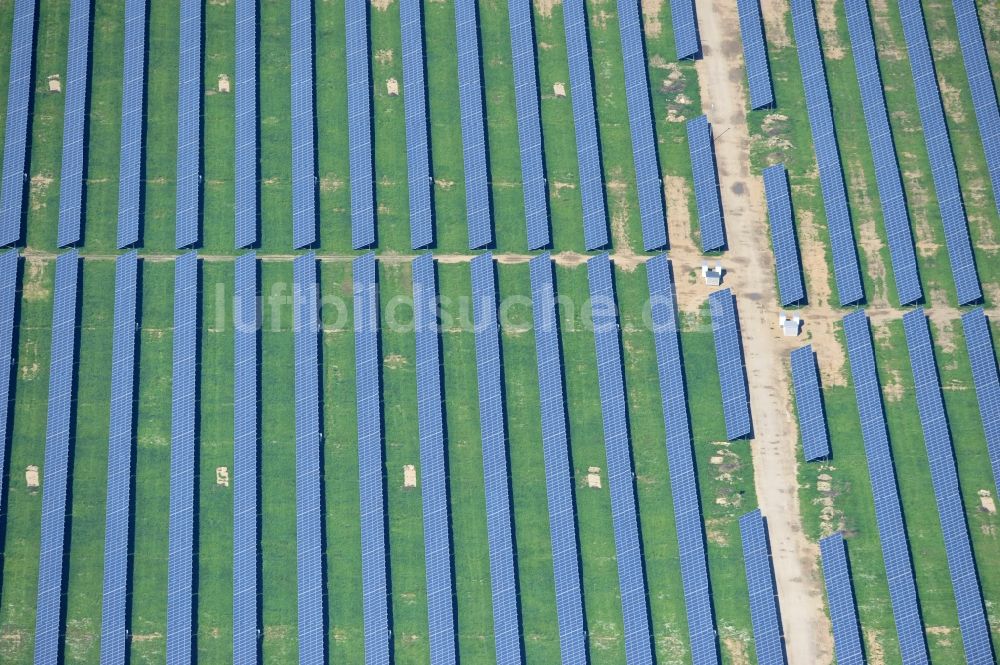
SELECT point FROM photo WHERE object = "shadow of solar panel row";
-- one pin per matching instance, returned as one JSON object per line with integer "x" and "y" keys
{"x": 246, "y": 123}
{"x": 74, "y": 118}
{"x": 470, "y": 99}
{"x": 588, "y": 149}
{"x": 308, "y": 512}
{"x": 415, "y": 112}
{"x": 979, "y": 344}
{"x": 890, "y": 186}
{"x": 114, "y": 639}
{"x": 768, "y": 642}
{"x": 947, "y": 492}
{"x": 189, "y": 124}
{"x": 685, "y": 26}
{"x": 938, "y": 142}
{"x": 370, "y": 462}
{"x": 809, "y": 404}
{"x": 245, "y": 501}
{"x": 503, "y": 583}
{"x": 8, "y": 300}
{"x": 706, "y": 184}
{"x": 433, "y": 478}
{"x": 680, "y": 462}
{"x": 729, "y": 361}
{"x": 558, "y": 473}
{"x": 359, "y": 125}
{"x": 840, "y": 598}
{"x": 16, "y": 130}
{"x": 628, "y": 546}
{"x": 180, "y": 534}
{"x": 831, "y": 175}
{"x": 647, "y": 171}
{"x": 303, "y": 127}
{"x": 784, "y": 244}
{"x": 529, "y": 131}
{"x": 133, "y": 93}
{"x": 755, "y": 54}
{"x": 984, "y": 100}
{"x": 57, "y": 432}
{"x": 888, "y": 511}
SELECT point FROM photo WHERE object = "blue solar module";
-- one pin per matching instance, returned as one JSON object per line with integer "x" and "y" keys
{"x": 628, "y": 543}
{"x": 809, "y": 404}
{"x": 768, "y": 642}
{"x": 888, "y": 511}
{"x": 840, "y": 597}
{"x": 114, "y": 639}
{"x": 359, "y": 125}
{"x": 371, "y": 465}
{"x": 685, "y": 25}
{"x": 831, "y": 177}
{"x": 979, "y": 344}
{"x": 8, "y": 298}
{"x": 783, "y": 241}
{"x": 470, "y": 98}
{"x": 55, "y": 470}
{"x": 588, "y": 150}
{"x": 245, "y": 435}
{"x": 890, "y": 186}
{"x": 437, "y": 544}
{"x": 415, "y": 112}
{"x": 22, "y": 47}
{"x": 246, "y": 123}
{"x": 558, "y": 471}
{"x": 529, "y": 129}
{"x": 956, "y": 229}
{"x": 729, "y": 360}
{"x": 680, "y": 458}
{"x": 133, "y": 94}
{"x": 706, "y": 184}
{"x": 947, "y": 492}
{"x": 180, "y": 555}
{"x": 303, "y": 127}
{"x": 755, "y": 54}
{"x": 984, "y": 99}
{"x": 74, "y": 119}
{"x": 189, "y": 124}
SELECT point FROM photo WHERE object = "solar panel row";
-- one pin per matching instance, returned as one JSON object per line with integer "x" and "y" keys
{"x": 359, "y": 125}
{"x": 979, "y": 344}
{"x": 628, "y": 545}
{"x": 944, "y": 478}
{"x": 888, "y": 511}
{"x": 74, "y": 118}
{"x": 56, "y": 466}
{"x": 729, "y": 360}
{"x": 470, "y": 99}
{"x": 956, "y": 229}
{"x": 755, "y": 54}
{"x": 8, "y": 298}
{"x": 809, "y": 404}
{"x": 114, "y": 639}
{"x": 685, "y": 25}
{"x": 831, "y": 177}
{"x": 706, "y": 184}
{"x": 840, "y": 597}
{"x": 783, "y": 241}
{"x": 415, "y": 112}
{"x": 768, "y": 642}
{"x": 246, "y": 123}
{"x": 680, "y": 459}
{"x": 133, "y": 94}
{"x": 890, "y": 186}
{"x": 189, "y": 124}
{"x": 303, "y": 127}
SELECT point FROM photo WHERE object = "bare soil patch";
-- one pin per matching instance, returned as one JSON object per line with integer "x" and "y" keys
{"x": 775, "y": 12}
{"x": 382, "y": 5}
{"x": 827, "y": 19}
{"x": 544, "y": 7}
{"x": 651, "y": 11}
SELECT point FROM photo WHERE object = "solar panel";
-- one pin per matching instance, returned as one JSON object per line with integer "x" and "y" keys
{"x": 831, "y": 176}
{"x": 685, "y": 24}
{"x": 979, "y": 344}
{"x": 628, "y": 543}
{"x": 949, "y": 196}
{"x": 729, "y": 360}
{"x": 114, "y": 638}
{"x": 48, "y": 619}
{"x": 133, "y": 93}
{"x": 888, "y": 511}
{"x": 303, "y": 127}
{"x": 890, "y": 186}
{"x": 189, "y": 124}
{"x": 8, "y": 299}
{"x": 245, "y": 501}
{"x": 840, "y": 596}
{"x": 706, "y": 184}
{"x": 588, "y": 149}
{"x": 947, "y": 492}
{"x": 415, "y": 112}
{"x": 180, "y": 553}
{"x": 680, "y": 458}
{"x": 433, "y": 467}
{"x": 809, "y": 404}
{"x": 768, "y": 641}
{"x": 558, "y": 472}
{"x": 645, "y": 158}
{"x": 74, "y": 118}
{"x": 371, "y": 465}
{"x": 359, "y": 126}
{"x": 22, "y": 47}
{"x": 470, "y": 98}
{"x": 529, "y": 130}
{"x": 246, "y": 123}
{"x": 755, "y": 54}
{"x": 308, "y": 490}
{"x": 783, "y": 241}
